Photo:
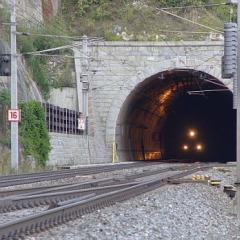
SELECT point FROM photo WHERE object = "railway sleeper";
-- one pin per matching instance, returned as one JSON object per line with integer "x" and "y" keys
{"x": 87, "y": 205}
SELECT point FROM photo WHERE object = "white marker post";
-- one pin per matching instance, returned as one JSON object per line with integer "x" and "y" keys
{"x": 14, "y": 113}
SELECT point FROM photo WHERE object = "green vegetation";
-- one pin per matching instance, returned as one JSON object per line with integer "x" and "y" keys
{"x": 114, "y": 20}
{"x": 4, "y": 29}
{"x": 5, "y": 97}
{"x": 34, "y": 133}
{"x": 39, "y": 65}
{"x": 124, "y": 19}
{"x": 4, "y": 105}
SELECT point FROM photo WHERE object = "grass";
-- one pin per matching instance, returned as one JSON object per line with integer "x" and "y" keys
{"x": 25, "y": 166}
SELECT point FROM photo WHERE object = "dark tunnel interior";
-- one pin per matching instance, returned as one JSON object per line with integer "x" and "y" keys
{"x": 180, "y": 114}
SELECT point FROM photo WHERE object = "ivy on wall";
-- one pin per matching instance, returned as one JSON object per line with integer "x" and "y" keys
{"x": 34, "y": 133}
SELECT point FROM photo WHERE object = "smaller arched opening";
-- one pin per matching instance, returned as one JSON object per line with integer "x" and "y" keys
{"x": 156, "y": 119}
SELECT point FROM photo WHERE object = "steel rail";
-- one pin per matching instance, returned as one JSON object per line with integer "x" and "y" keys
{"x": 94, "y": 183}
{"x": 44, "y": 220}
{"x": 54, "y": 195}
{"x": 21, "y": 202}
{"x": 52, "y": 188}
{"x": 83, "y": 169}
{"x": 55, "y": 175}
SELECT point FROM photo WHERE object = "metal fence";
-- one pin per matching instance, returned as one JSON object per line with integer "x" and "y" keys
{"x": 63, "y": 120}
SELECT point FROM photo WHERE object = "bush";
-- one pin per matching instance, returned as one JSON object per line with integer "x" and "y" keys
{"x": 5, "y": 98}
{"x": 39, "y": 64}
{"x": 34, "y": 133}
{"x": 109, "y": 36}
{"x": 81, "y": 7}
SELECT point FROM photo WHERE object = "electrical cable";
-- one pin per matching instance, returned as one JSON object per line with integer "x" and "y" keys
{"x": 195, "y": 6}
{"x": 58, "y": 36}
{"x": 33, "y": 17}
{"x": 188, "y": 20}
{"x": 209, "y": 90}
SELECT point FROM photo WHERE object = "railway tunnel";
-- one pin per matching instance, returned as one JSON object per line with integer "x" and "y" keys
{"x": 158, "y": 117}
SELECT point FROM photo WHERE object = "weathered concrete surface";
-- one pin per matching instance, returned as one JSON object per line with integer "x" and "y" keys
{"x": 64, "y": 97}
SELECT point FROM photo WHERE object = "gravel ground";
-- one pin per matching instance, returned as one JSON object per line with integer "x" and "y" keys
{"x": 186, "y": 211}
{"x": 5, "y": 217}
{"x": 10, "y": 216}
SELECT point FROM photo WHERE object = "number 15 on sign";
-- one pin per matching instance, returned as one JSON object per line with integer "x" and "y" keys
{"x": 14, "y": 115}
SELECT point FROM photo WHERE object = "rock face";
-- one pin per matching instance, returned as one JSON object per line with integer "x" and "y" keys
{"x": 27, "y": 88}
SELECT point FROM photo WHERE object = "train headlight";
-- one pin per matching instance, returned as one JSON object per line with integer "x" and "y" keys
{"x": 185, "y": 147}
{"x": 192, "y": 133}
{"x": 199, "y": 147}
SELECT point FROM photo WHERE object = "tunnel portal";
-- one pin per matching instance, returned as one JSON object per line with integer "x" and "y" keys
{"x": 157, "y": 118}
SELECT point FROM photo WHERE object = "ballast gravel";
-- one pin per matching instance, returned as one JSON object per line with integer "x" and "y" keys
{"x": 191, "y": 211}
{"x": 10, "y": 216}
{"x": 85, "y": 178}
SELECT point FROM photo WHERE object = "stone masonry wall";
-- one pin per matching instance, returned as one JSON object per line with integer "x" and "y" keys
{"x": 68, "y": 150}
{"x": 73, "y": 150}
{"x": 115, "y": 69}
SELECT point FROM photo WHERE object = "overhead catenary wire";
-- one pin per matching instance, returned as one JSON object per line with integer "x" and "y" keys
{"x": 58, "y": 36}
{"x": 35, "y": 20}
{"x": 209, "y": 90}
{"x": 183, "y": 7}
{"x": 122, "y": 80}
{"x": 53, "y": 49}
{"x": 188, "y": 20}
{"x": 182, "y": 31}
{"x": 162, "y": 9}
{"x": 39, "y": 53}
{"x": 51, "y": 35}
{"x": 54, "y": 55}
{"x": 70, "y": 37}
{"x": 196, "y": 6}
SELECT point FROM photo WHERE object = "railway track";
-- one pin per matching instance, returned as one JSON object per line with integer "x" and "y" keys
{"x": 64, "y": 210}
{"x": 52, "y": 195}
{"x": 11, "y": 180}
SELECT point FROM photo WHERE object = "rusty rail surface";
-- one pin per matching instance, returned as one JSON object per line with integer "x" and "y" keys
{"x": 50, "y": 218}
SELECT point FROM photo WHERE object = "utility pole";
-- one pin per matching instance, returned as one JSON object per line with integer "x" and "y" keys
{"x": 14, "y": 97}
{"x": 238, "y": 111}
{"x": 81, "y": 67}
{"x": 84, "y": 80}
{"x": 231, "y": 69}
{"x": 84, "y": 76}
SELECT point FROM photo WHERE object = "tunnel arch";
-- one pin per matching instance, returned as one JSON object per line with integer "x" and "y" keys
{"x": 154, "y": 118}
